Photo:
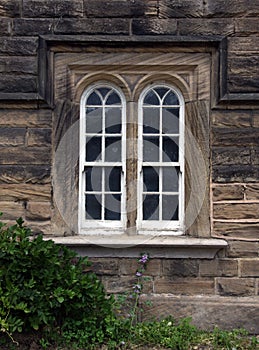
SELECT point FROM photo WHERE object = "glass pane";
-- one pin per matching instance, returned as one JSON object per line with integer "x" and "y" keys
{"x": 161, "y": 91}
{"x": 151, "y": 149}
{"x": 150, "y": 179}
{"x": 93, "y": 120}
{"x": 170, "y": 207}
{"x": 151, "y": 98}
{"x": 113, "y": 120}
{"x": 104, "y": 91}
{"x": 151, "y": 120}
{"x": 112, "y": 149}
{"x": 113, "y": 99}
{"x": 170, "y": 149}
{"x": 170, "y": 121}
{"x": 93, "y": 148}
{"x": 93, "y": 207}
{"x": 171, "y": 99}
{"x": 113, "y": 179}
{"x": 170, "y": 179}
{"x": 93, "y": 179}
{"x": 94, "y": 99}
{"x": 150, "y": 207}
{"x": 112, "y": 209}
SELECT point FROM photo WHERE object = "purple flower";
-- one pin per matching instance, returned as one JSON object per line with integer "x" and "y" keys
{"x": 144, "y": 258}
{"x": 138, "y": 274}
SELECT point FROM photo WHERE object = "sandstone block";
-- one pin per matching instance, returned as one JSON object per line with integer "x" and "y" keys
{"x": 18, "y": 83}
{"x": 10, "y": 8}
{"x": 180, "y": 9}
{"x": 184, "y": 286}
{"x": 228, "y": 192}
{"x": 243, "y": 249}
{"x": 25, "y": 155}
{"x": 29, "y": 27}
{"x": 180, "y": 268}
{"x": 236, "y": 210}
{"x": 124, "y": 284}
{"x": 238, "y": 136}
{"x": 252, "y": 191}
{"x": 220, "y": 267}
{"x": 130, "y": 266}
{"x": 230, "y": 156}
{"x": 206, "y": 26}
{"x": 255, "y": 156}
{"x": 225, "y": 8}
{"x": 99, "y": 8}
{"x": 235, "y": 173}
{"x": 38, "y": 211}
{"x": 5, "y": 26}
{"x": 18, "y": 46}
{"x": 39, "y": 137}
{"x": 243, "y": 45}
{"x": 249, "y": 267}
{"x": 25, "y": 192}
{"x": 235, "y": 286}
{"x": 11, "y": 210}
{"x": 25, "y": 118}
{"x": 247, "y": 26}
{"x": 54, "y": 8}
{"x": 105, "y": 266}
{"x": 234, "y": 119}
{"x": 154, "y": 26}
{"x": 14, "y": 174}
{"x": 12, "y": 136}
{"x": 237, "y": 229}
{"x": 21, "y": 65}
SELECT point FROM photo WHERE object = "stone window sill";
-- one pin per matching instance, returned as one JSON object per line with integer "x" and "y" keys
{"x": 132, "y": 246}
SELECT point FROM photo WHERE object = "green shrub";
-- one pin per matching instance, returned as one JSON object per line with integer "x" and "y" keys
{"x": 43, "y": 286}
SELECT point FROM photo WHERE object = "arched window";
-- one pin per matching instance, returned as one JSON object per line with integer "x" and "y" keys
{"x": 161, "y": 159}
{"x": 102, "y": 158}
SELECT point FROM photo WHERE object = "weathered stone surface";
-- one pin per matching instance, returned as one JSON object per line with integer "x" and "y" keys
{"x": 220, "y": 268}
{"x": 249, "y": 268}
{"x": 130, "y": 266}
{"x": 184, "y": 286}
{"x": 18, "y": 46}
{"x": 122, "y": 284}
{"x": 18, "y": 83}
{"x": 235, "y": 173}
{"x": 38, "y": 211}
{"x": 180, "y": 9}
{"x": 247, "y": 26}
{"x": 5, "y": 26}
{"x": 105, "y": 266}
{"x": 252, "y": 191}
{"x": 205, "y": 27}
{"x": 29, "y": 27}
{"x": 228, "y": 192}
{"x": 39, "y": 137}
{"x": 244, "y": 249}
{"x": 236, "y": 211}
{"x": 25, "y": 118}
{"x": 180, "y": 268}
{"x": 12, "y": 136}
{"x": 243, "y": 45}
{"x": 256, "y": 119}
{"x": 11, "y": 210}
{"x": 237, "y": 229}
{"x": 52, "y": 8}
{"x": 92, "y": 26}
{"x": 21, "y": 65}
{"x": 10, "y": 8}
{"x": 238, "y": 136}
{"x": 25, "y": 192}
{"x": 243, "y": 84}
{"x": 154, "y": 26}
{"x": 207, "y": 311}
{"x": 231, "y": 156}
{"x": 25, "y": 155}
{"x": 231, "y": 8}
{"x": 235, "y": 286}
{"x": 99, "y": 8}
{"x": 255, "y": 155}
{"x": 14, "y": 174}
{"x": 234, "y": 119}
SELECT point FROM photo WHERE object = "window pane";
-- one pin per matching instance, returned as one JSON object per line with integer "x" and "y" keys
{"x": 170, "y": 179}
{"x": 170, "y": 121}
{"x": 113, "y": 99}
{"x": 150, "y": 207}
{"x": 113, "y": 120}
{"x": 171, "y": 99}
{"x": 150, "y": 179}
{"x": 161, "y": 91}
{"x": 93, "y": 179}
{"x": 113, "y": 179}
{"x": 93, "y": 148}
{"x": 94, "y": 99}
{"x": 93, "y": 207}
{"x": 104, "y": 91}
{"x": 170, "y": 149}
{"x": 93, "y": 120}
{"x": 151, "y": 149}
{"x": 113, "y": 149}
{"x": 112, "y": 209}
{"x": 151, "y": 120}
{"x": 151, "y": 98}
{"x": 170, "y": 207}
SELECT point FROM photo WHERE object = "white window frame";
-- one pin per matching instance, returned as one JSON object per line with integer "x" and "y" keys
{"x": 161, "y": 227}
{"x": 101, "y": 226}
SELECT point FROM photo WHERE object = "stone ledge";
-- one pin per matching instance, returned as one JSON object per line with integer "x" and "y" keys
{"x": 206, "y": 312}
{"x": 132, "y": 246}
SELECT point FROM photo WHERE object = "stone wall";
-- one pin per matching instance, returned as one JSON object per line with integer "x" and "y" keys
{"x": 206, "y": 289}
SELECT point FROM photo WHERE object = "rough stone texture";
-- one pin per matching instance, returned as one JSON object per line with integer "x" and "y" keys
{"x": 252, "y": 191}
{"x": 247, "y": 230}
{"x": 38, "y": 211}
{"x": 221, "y": 267}
{"x": 243, "y": 248}
{"x": 236, "y": 211}
{"x": 249, "y": 268}
{"x": 52, "y": 8}
{"x": 184, "y": 286}
{"x": 235, "y": 286}
{"x": 205, "y": 27}
{"x": 180, "y": 268}
{"x": 154, "y": 26}
{"x": 228, "y": 192}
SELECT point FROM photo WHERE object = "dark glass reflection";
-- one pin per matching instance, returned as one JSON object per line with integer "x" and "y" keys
{"x": 113, "y": 99}
{"x": 151, "y": 149}
{"x": 161, "y": 91}
{"x": 150, "y": 207}
{"x": 170, "y": 121}
{"x": 104, "y": 91}
{"x": 170, "y": 149}
{"x": 112, "y": 149}
{"x": 112, "y": 209}
{"x": 93, "y": 208}
{"x": 113, "y": 120}
{"x": 170, "y": 207}
{"x": 93, "y": 120}
{"x": 113, "y": 179}
{"x": 170, "y": 179}
{"x": 151, "y": 98}
{"x": 94, "y": 99}
{"x": 150, "y": 179}
{"x": 93, "y": 179}
{"x": 93, "y": 148}
{"x": 171, "y": 99}
{"x": 151, "y": 120}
